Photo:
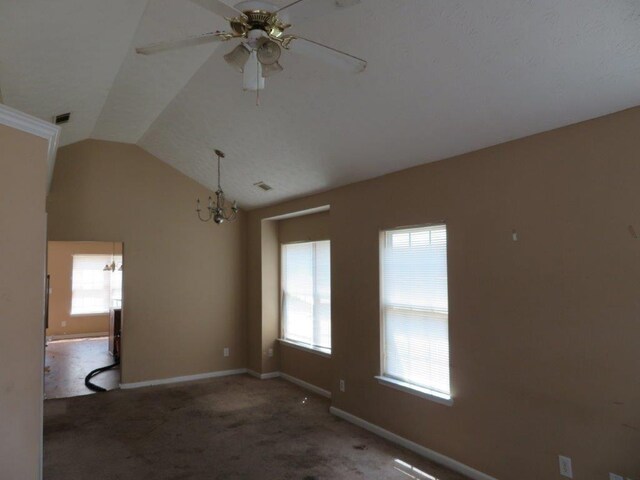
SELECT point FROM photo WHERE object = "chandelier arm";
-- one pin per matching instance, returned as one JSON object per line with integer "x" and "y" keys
{"x": 204, "y": 219}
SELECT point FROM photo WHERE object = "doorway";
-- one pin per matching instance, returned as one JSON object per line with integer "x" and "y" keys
{"x": 83, "y": 316}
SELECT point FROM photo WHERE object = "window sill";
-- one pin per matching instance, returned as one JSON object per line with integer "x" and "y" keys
{"x": 432, "y": 395}
{"x": 323, "y": 352}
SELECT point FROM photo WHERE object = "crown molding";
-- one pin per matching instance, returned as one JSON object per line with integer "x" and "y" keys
{"x": 21, "y": 121}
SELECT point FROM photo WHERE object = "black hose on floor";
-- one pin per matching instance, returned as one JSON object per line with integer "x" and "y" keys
{"x": 97, "y": 371}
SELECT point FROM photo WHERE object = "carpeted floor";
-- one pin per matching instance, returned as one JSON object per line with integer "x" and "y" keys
{"x": 227, "y": 428}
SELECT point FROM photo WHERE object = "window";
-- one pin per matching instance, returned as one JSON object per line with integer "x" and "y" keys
{"x": 93, "y": 290}
{"x": 415, "y": 310}
{"x": 306, "y": 294}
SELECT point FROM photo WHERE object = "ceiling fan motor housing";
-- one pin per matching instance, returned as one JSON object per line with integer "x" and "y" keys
{"x": 260, "y": 16}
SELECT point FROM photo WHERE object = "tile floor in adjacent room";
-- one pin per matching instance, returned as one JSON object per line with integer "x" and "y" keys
{"x": 234, "y": 427}
{"x": 67, "y": 363}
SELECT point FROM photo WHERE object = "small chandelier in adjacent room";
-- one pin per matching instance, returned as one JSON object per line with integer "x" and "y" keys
{"x": 112, "y": 267}
{"x": 218, "y": 211}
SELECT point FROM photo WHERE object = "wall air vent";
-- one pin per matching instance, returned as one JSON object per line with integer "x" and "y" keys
{"x": 62, "y": 118}
{"x": 263, "y": 186}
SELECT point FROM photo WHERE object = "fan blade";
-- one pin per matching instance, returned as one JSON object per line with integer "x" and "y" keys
{"x": 325, "y": 54}
{"x": 186, "y": 42}
{"x": 220, "y": 8}
{"x": 302, "y": 10}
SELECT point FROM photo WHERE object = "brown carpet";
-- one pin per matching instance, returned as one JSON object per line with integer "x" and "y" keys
{"x": 227, "y": 428}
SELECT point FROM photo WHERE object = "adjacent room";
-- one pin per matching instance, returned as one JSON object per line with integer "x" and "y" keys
{"x": 320, "y": 239}
{"x": 83, "y": 317}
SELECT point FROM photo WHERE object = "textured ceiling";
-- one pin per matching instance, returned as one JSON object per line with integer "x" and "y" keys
{"x": 444, "y": 77}
{"x": 64, "y": 55}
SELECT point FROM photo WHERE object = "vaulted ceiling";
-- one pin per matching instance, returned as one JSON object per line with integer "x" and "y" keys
{"x": 444, "y": 77}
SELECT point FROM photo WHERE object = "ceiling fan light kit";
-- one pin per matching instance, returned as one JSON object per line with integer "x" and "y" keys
{"x": 268, "y": 70}
{"x": 261, "y": 27}
{"x": 268, "y": 51}
{"x": 252, "y": 79}
{"x": 238, "y": 57}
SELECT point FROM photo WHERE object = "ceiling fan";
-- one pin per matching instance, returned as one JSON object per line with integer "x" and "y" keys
{"x": 261, "y": 27}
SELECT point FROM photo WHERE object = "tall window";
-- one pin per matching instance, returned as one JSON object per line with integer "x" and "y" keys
{"x": 93, "y": 290}
{"x": 306, "y": 294}
{"x": 415, "y": 309}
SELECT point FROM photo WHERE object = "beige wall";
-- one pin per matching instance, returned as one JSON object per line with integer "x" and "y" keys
{"x": 270, "y": 295}
{"x": 60, "y": 270}
{"x": 255, "y": 354}
{"x": 184, "y": 279}
{"x": 544, "y": 331}
{"x": 23, "y": 173}
{"x": 310, "y": 367}
{"x": 305, "y": 228}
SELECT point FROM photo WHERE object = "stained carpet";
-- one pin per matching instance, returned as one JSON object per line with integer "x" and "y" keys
{"x": 227, "y": 428}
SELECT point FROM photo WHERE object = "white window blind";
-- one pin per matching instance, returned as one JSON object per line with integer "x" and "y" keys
{"x": 306, "y": 293}
{"x": 92, "y": 288}
{"x": 415, "y": 307}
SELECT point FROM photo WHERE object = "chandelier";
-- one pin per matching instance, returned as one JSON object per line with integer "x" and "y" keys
{"x": 112, "y": 267}
{"x": 218, "y": 211}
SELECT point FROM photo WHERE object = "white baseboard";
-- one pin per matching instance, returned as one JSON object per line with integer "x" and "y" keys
{"x": 186, "y": 378}
{"x": 263, "y": 376}
{"x": 306, "y": 385}
{"x": 414, "y": 447}
{"x": 53, "y": 338}
{"x": 301, "y": 383}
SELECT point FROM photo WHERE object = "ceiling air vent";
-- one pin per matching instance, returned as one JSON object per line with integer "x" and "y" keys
{"x": 62, "y": 118}
{"x": 263, "y": 186}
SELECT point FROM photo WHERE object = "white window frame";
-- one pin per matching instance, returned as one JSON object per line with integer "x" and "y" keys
{"x": 392, "y": 382}
{"x": 321, "y": 351}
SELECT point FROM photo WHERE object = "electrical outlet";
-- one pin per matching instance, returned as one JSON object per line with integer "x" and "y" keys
{"x": 565, "y": 466}
{"x": 63, "y": 323}
{"x": 225, "y": 352}
{"x": 270, "y": 352}
{"x": 342, "y": 386}
{"x": 613, "y": 476}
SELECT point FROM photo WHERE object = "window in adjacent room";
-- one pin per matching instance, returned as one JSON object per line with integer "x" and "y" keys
{"x": 306, "y": 294}
{"x": 415, "y": 311}
{"x": 94, "y": 290}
